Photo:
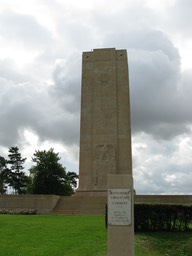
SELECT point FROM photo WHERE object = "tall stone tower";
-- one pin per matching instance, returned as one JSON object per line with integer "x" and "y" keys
{"x": 105, "y": 135}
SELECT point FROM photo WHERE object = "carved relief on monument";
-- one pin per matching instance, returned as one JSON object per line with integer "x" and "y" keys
{"x": 104, "y": 76}
{"x": 105, "y": 152}
{"x": 103, "y": 164}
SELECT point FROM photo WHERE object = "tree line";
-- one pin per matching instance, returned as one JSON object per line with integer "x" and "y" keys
{"x": 46, "y": 175}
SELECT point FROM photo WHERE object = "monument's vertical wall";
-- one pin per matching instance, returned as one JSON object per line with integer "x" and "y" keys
{"x": 105, "y": 136}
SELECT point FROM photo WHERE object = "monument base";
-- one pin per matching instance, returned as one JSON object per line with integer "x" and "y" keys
{"x": 120, "y": 215}
{"x": 91, "y": 193}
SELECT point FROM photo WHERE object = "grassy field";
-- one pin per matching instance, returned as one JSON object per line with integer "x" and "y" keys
{"x": 44, "y": 235}
{"x": 163, "y": 244}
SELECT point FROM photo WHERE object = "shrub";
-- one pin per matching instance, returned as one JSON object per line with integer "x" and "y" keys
{"x": 18, "y": 211}
{"x": 162, "y": 217}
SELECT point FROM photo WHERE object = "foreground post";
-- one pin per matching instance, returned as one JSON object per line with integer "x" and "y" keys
{"x": 120, "y": 215}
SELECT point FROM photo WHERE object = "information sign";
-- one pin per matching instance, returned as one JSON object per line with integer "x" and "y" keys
{"x": 119, "y": 206}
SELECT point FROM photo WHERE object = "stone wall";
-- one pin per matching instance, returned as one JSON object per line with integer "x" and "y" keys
{"x": 45, "y": 204}
{"x": 42, "y": 203}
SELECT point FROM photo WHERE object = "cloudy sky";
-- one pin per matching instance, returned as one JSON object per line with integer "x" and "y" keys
{"x": 41, "y": 43}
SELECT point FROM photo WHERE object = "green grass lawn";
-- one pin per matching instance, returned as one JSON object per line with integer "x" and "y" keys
{"x": 44, "y": 235}
{"x": 163, "y": 244}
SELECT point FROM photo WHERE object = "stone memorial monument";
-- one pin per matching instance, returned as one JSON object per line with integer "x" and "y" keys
{"x": 105, "y": 142}
{"x": 105, "y": 136}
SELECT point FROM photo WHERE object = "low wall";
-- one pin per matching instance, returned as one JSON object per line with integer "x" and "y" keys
{"x": 42, "y": 203}
{"x": 46, "y": 203}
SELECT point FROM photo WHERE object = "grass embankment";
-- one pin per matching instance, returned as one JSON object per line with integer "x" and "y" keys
{"x": 44, "y": 235}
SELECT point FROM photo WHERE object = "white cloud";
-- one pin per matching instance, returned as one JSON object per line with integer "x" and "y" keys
{"x": 161, "y": 167}
{"x": 182, "y": 155}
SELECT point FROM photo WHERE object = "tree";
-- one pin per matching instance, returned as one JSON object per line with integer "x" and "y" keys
{"x": 49, "y": 176}
{"x": 72, "y": 177}
{"x": 3, "y": 171}
{"x": 17, "y": 178}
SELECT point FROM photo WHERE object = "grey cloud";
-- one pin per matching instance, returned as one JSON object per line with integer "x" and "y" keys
{"x": 126, "y": 16}
{"x": 17, "y": 110}
{"x": 67, "y": 83}
{"x": 79, "y": 36}
{"x": 179, "y": 18}
{"x": 165, "y": 179}
{"x": 156, "y": 169}
{"x": 158, "y": 95}
{"x": 23, "y": 107}
{"x": 23, "y": 28}
{"x": 63, "y": 129}
{"x": 185, "y": 88}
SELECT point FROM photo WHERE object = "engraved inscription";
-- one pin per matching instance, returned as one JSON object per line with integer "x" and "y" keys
{"x": 119, "y": 206}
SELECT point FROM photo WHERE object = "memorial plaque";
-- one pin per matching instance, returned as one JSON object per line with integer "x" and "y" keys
{"x": 119, "y": 206}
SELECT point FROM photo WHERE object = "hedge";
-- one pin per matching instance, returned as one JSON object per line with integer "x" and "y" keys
{"x": 162, "y": 217}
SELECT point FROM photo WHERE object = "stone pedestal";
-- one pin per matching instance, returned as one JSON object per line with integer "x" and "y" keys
{"x": 120, "y": 215}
